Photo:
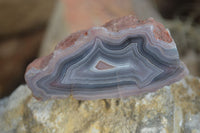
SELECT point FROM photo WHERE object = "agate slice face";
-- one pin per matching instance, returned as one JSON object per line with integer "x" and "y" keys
{"x": 124, "y": 57}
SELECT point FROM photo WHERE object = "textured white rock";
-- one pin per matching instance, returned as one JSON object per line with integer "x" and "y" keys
{"x": 174, "y": 108}
{"x": 11, "y": 109}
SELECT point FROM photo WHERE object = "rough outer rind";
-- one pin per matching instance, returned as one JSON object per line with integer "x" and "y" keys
{"x": 114, "y": 25}
{"x": 159, "y": 57}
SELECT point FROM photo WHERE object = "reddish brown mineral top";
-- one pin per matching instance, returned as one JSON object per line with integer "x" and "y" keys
{"x": 124, "y": 57}
{"x": 132, "y": 21}
{"x": 118, "y": 24}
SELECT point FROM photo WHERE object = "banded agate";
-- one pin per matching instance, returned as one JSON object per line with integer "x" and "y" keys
{"x": 124, "y": 57}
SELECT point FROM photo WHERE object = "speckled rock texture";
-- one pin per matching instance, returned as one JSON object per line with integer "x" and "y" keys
{"x": 172, "y": 109}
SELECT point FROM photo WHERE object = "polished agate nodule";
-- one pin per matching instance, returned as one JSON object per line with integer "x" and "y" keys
{"x": 124, "y": 57}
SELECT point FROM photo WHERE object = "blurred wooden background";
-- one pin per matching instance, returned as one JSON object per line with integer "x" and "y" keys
{"x": 29, "y": 29}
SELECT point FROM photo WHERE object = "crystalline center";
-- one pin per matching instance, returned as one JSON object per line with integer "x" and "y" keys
{"x": 101, "y": 65}
{"x": 132, "y": 63}
{"x": 125, "y": 57}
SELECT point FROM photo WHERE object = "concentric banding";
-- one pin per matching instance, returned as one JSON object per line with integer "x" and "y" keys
{"x": 109, "y": 64}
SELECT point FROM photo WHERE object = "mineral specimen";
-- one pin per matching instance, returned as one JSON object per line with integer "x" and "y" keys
{"x": 124, "y": 57}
